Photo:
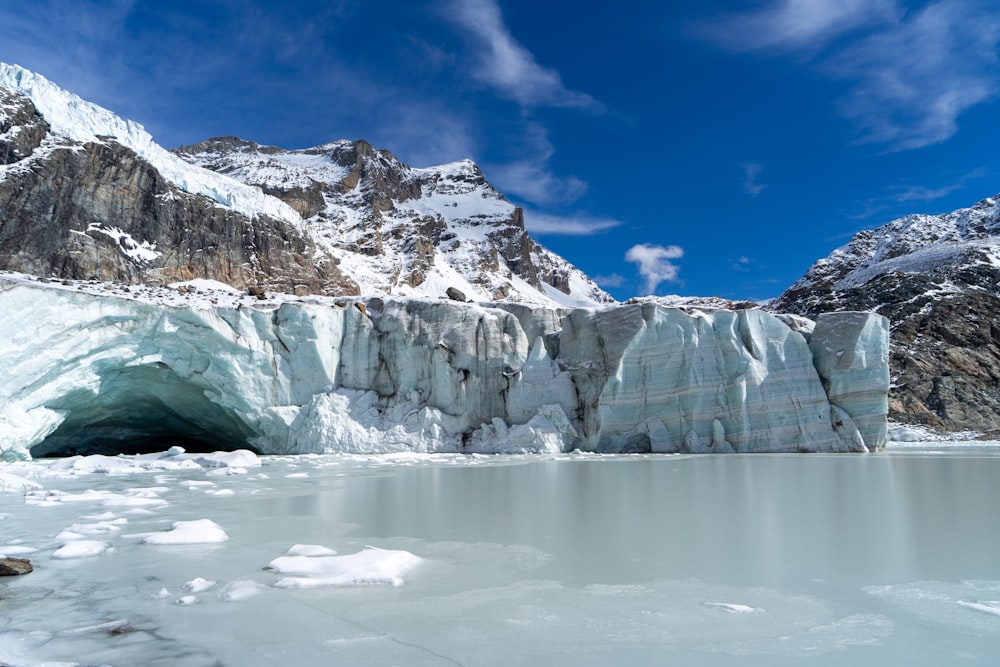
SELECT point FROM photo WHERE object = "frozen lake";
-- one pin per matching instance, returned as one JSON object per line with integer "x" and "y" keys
{"x": 890, "y": 558}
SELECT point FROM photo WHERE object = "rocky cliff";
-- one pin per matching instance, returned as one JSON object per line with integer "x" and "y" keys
{"x": 937, "y": 279}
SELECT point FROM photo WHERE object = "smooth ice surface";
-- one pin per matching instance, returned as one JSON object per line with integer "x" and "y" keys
{"x": 385, "y": 375}
{"x": 580, "y": 559}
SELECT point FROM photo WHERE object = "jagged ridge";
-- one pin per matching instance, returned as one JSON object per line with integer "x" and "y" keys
{"x": 430, "y": 228}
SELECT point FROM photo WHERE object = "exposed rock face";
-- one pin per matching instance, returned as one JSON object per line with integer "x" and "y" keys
{"x": 100, "y": 212}
{"x": 99, "y": 373}
{"x": 12, "y": 567}
{"x": 937, "y": 279}
{"x": 428, "y": 227}
{"x": 22, "y": 128}
{"x": 97, "y": 210}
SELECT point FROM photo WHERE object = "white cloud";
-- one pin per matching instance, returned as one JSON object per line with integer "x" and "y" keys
{"x": 750, "y": 184}
{"x": 531, "y": 180}
{"x": 907, "y": 194}
{"x": 614, "y": 280}
{"x": 911, "y": 75}
{"x": 540, "y": 223}
{"x": 653, "y": 263}
{"x": 508, "y": 67}
{"x": 786, "y": 25}
{"x": 528, "y": 176}
{"x": 912, "y": 82}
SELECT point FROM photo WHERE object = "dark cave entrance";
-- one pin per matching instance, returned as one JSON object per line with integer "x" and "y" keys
{"x": 141, "y": 410}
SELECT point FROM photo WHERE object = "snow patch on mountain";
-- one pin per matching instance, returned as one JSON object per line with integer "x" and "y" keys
{"x": 81, "y": 121}
{"x": 402, "y": 230}
{"x": 912, "y": 244}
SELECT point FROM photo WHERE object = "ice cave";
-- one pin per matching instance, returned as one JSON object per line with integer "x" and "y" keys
{"x": 142, "y": 409}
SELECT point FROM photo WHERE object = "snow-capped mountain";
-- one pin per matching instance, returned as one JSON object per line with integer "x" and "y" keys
{"x": 401, "y": 230}
{"x": 937, "y": 278}
{"x": 85, "y": 194}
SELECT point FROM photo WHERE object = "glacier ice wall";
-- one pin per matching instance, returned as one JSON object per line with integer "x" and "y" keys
{"x": 85, "y": 372}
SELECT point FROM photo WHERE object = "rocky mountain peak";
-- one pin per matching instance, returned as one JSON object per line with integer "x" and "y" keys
{"x": 86, "y": 194}
{"x": 937, "y": 279}
{"x": 431, "y": 228}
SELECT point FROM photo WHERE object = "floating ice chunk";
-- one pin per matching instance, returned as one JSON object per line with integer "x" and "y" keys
{"x": 297, "y": 475}
{"x": 241, "y": 458}
{"x": 9, "y": 482}
{"x": 187, "y": 600}
{"x": 16, "y": 550}
{"x": 80, "y": 549}
{"x": 199, "y": 585}
{"x": 220, "y": 492}
{"x": 222, "y": 472}
{"x": 734, "y": 608}
{"x": 986, "y": 606}
{"x": 367, "y": 567}
{"x": 79, "y": 530}
{"x": 130, "y": 498}
{"x": 161, "y": 594}
{"x": 240, "y": 590}
{"x": 199, "y": 531}
{"x": 309, "y": 550}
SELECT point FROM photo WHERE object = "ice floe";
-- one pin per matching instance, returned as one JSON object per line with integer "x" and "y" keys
{"x": 367, "y": 567}
{"x": 199, "y": 531}
{"x": 80, "y": 549}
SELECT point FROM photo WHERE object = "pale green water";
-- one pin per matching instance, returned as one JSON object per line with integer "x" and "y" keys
{"x": 846, "y": 559}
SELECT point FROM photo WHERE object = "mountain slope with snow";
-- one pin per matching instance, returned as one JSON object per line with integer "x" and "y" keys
{"x": 430, "y": 229}
{"x": 937, "y": 278}
{"x": 86, "y": 194}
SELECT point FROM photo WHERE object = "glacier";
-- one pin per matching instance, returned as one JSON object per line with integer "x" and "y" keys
{"x": 89, "y": 372}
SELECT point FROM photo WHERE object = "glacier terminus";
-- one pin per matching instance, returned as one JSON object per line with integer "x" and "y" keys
{"x": 91, "y": 372}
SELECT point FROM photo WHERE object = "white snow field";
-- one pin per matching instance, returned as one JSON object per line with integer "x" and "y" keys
{"x": 561, "y": 559}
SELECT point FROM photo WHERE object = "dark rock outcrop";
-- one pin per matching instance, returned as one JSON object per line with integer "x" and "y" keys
{"x": 12, "y": 567}
{"x": 100, "y": 211}
{"x": 937, "y": 279}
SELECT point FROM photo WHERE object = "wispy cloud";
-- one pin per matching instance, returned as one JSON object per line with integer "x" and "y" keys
{"x": 527, "y": 173}
{"x": 508, "y": 67}
{"x": 654, "y": 263}
{"x": 797, "y": 25}
{"x": 912, "y": 194}
{"x": 611, "y": 281}
{"x": 550, "y": 224}
{"x": 913, "y": 81}
{"x": 750, "y": 184}
{"x": 911, "y": 74}
{"x": 533, "y": 181}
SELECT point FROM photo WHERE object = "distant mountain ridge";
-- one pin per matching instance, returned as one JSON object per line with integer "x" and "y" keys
{"x": 937, "y": 279}
{"x": 85, "y": 194}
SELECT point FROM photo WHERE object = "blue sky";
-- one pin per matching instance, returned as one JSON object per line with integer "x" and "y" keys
{"x": 696, "y": 147}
